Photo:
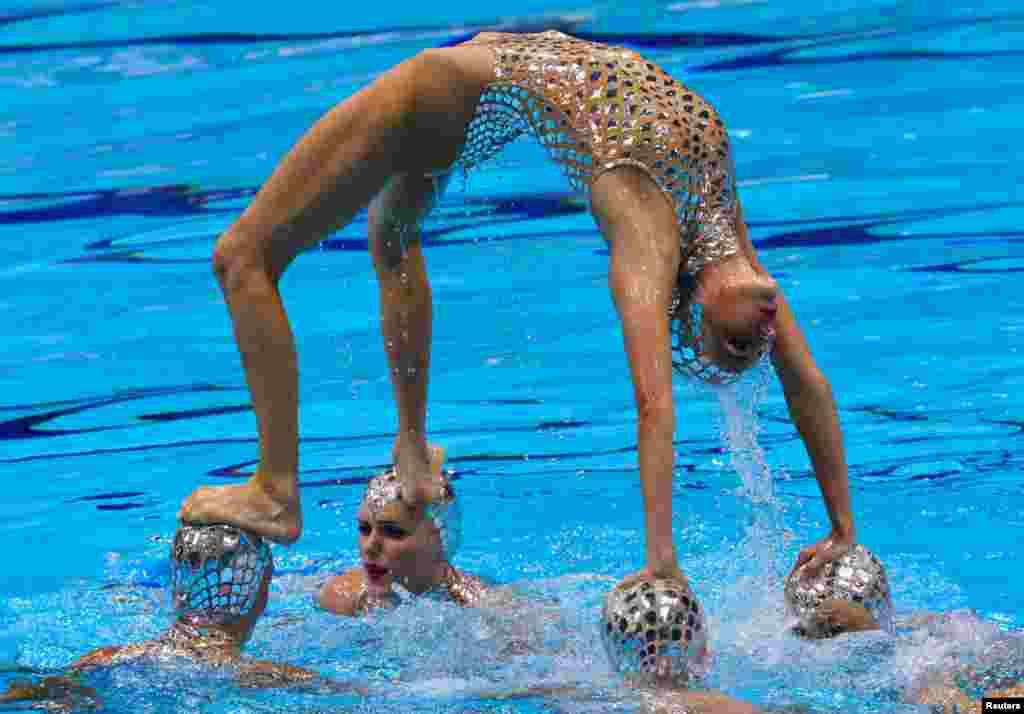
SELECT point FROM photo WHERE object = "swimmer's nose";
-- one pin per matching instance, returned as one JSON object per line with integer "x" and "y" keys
{"x": 768, "y": 290}
{"x": 766, "y": 296}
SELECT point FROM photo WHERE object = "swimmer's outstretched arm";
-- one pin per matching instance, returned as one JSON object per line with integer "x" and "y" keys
{"x": 260, "y": 674}
{"x": 813, "y": 410}
{"x": 411, "y": 119}
{"x": 65, "y": 692}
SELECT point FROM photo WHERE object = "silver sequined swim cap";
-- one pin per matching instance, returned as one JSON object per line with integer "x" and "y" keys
{"x": 858, "y": 576}
{"x": 216, "y": 573}
{"x": 444, "y": 512}
{"x": 655, "y": 627}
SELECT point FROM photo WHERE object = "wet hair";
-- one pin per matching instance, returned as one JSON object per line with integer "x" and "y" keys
{"x": 686, "y": 325}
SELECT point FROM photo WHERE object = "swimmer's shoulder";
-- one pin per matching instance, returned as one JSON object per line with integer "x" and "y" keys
{"x": 343, "y": 594}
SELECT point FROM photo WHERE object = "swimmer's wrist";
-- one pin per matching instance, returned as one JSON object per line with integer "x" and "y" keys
{"x": 662, "y": 559}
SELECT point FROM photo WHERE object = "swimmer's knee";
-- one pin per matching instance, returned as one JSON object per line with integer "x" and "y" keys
{"x": 389, "y": 252}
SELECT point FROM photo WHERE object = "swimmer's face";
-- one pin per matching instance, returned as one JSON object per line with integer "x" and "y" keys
{"x": 834, "y": 617}
{"x": 740, "y": 307}
{"x": 397, "y": 543}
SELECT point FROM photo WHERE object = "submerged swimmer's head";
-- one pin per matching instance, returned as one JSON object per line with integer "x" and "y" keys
{"x": 850, "y": 594}
{"x": 220, "y": 576}
{"x": 723, "y": 319}
{"x": 402, "y": 543}
{"x": 654, "y": 632}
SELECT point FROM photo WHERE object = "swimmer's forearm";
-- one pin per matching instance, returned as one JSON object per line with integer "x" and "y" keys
{"x": 813, "y": 410}
{"x": 656, "y": 429}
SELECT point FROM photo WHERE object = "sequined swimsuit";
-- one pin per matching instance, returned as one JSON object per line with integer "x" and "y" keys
{"x": 595, "y": 108}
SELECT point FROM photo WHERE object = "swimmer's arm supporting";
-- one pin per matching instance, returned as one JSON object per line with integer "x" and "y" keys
{"x": 811, "y": 405}
{"x": 640, "y": 278}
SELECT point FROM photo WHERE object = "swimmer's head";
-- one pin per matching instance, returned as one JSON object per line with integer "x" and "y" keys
{"x": 654, "y": 632}
{"x": 850, "y": 594}
{"x": 724, "y": 323}
{"x": 401, "y": 543}
{"x": 220, "y": 576}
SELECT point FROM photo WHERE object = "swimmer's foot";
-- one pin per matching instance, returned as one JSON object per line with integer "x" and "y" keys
{"x": 421, "y": 477}
{"x": 248, "y": 506}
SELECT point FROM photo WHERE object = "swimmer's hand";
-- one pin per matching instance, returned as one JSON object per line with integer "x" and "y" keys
{"x": 666, "y": 572}
{"x": 814, "y": 557}
{"x": 251, "y": 506}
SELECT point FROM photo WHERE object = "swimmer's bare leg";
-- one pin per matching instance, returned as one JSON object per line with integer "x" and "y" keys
{"x": 638, "y": 222}
{"x": 406, "y": 318}
{"x": 412, "y": 118}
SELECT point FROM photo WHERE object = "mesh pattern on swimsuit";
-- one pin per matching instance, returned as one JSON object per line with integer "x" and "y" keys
{"x": 594, "y": 108}
{"x": 216, "y": 572}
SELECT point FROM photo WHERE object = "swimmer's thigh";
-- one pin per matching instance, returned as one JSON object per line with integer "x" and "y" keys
{"x": 448, "y": 84}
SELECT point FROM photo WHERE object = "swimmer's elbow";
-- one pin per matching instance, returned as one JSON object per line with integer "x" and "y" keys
{"x": 806, "y": 381}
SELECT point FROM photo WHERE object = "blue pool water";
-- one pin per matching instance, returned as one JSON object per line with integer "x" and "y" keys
{"x": 877, "y": 145}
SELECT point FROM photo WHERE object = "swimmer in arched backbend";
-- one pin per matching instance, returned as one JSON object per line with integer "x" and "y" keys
{"x": 220, "y": 579}
{"x": 402, "y": 545}
{"x": 652, "y": 156}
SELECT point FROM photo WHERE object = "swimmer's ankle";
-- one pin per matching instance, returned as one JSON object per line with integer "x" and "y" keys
{"x": 282, "y": 489}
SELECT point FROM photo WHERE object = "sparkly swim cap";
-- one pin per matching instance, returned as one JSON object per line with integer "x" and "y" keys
{"x": 216, "y": 573}
{"x": 444, "y": 513}
{"x": 857, "y": 577}
{"x": 654, "y": 628}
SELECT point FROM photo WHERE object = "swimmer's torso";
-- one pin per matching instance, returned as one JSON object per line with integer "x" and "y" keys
{"x": 594, "y": 108}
